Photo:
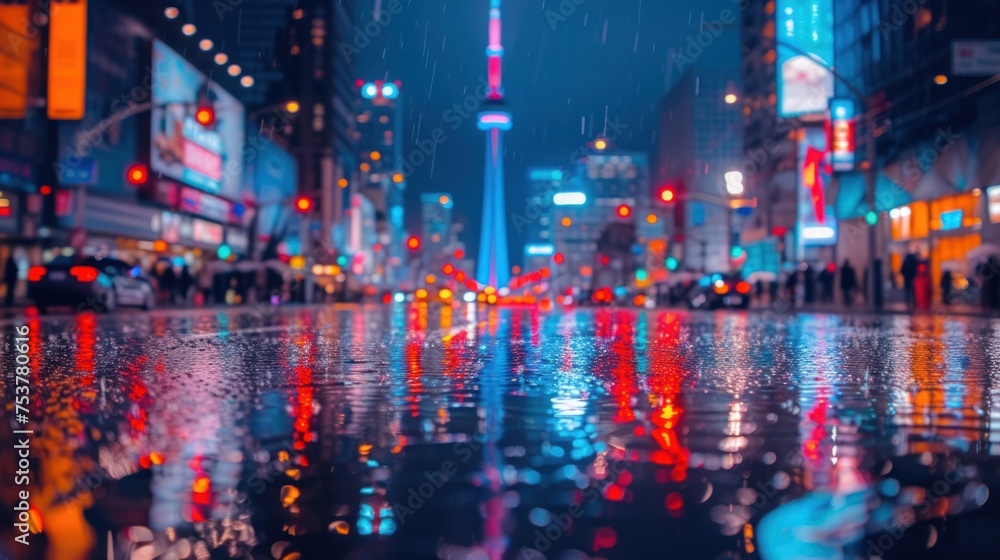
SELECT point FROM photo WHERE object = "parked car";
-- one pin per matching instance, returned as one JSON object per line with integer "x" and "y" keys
{"x": 100, "y": 284}
{"x": 715, "y": 291}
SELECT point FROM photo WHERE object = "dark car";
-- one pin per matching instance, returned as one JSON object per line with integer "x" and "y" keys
{"x": 98, "y": 284}
{"x": 716, "y": 291}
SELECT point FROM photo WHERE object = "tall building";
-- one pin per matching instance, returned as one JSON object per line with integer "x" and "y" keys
{"x": 321, "y": 131}
{"x": 594, "y": 219}
{"x": 436, "y": 231}
{"x": 492, "y": 267}
{"x": 543, "y": 182}
{"x": 700, "y": 140}
{"x": 380, "y": 177}
{"x": 771, "y": 155}
{"x": 920, "y": 70}
{"x": 249, "y": 31}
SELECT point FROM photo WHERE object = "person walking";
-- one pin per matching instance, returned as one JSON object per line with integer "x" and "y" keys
{"x": 809, "y": 281}
{"x": 848, "y": 282}
{"x": 946, "y": 286}
{"x": 206, "y": 280}
{"x": 908, "y": 270}
{"x": 10, "y": 279}
{"x": 184, "y": 283}
{"x": 791, "y": 286}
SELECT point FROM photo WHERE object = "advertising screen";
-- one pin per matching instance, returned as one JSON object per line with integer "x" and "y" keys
{"x": 206, "y": 156}
{"x": 805, "y": 54}
{"x": 817, "y": 223}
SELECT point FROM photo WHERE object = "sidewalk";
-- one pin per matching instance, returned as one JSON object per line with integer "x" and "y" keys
{"x": 892, "y": 308}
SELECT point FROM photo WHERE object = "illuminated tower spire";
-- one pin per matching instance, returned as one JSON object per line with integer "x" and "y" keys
{"x": 492, "y": 267}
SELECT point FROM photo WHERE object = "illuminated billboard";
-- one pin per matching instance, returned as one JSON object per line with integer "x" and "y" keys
{"x": 805, "y": 55}
{"x": 817, "y": 224}
{"x": 842, "y": 134}
{"x": 206, "y": 156}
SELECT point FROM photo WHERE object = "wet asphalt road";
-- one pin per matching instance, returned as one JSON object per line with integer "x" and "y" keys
{"x": 387, "y": 432}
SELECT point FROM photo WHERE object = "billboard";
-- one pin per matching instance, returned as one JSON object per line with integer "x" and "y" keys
{"x": 817, "y": 224}
{"x": 67, "y": 60}
{"x": 208, "y": 157}
{"x": 96, "y": 150}
{"x": 805, "y": 55}
{"x": 275, "y": 175}
{"x": 971, "y": 57}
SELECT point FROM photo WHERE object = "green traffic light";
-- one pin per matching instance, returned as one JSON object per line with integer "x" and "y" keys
{"x": 342, "y": 260}
{"x": 736, "y": 252}
{"x": 641, "y": 275}
{"x": 672, "y": 263}
{"x": 224, "y": 252}
{"x": 871, "y": 217}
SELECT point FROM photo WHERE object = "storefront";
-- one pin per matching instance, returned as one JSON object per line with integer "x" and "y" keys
{"x": 942, "y": 231}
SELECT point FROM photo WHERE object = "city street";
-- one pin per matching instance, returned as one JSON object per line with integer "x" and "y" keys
{"x": 423, "y": 431}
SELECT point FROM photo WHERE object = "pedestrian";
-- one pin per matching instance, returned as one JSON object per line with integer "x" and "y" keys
{"x": 168, "y": 283}
{"x": 759, "y": 288}
{"x": 10, "y": 279}
{"x": 826, "y": 284}
{"x": 809, "y": 283}
{"x": 908, "y": 270}
{"x": 205, "y": 280}
{"x": 791, "y": 286}
{"x": 184, "y": 284}
{"x": 946, "y": 285}
{"x": 991, "y": 283}
{"x": 848, "y": 282}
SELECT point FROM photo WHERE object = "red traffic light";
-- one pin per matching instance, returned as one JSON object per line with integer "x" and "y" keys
{"x": 413, "y": 243}
{"x": 137, "y": 174}
{"x": 303, "y": 204}
{"x": 205, "y": 115}
{"x": 624, "y": 211}
{"x": 667, "y": 194}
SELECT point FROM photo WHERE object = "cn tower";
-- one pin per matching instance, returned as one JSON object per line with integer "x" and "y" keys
{"x": 492, "y": 267}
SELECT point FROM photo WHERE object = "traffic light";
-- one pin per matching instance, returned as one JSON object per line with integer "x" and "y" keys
{"x": 871, "y": 217}
{"x": 624, "y": 211}
{"x": 672, "y": 263}
{"x": 413, "y": 243}
{"x": 736, "y": 252}
{"x": 668, "y": 195}
{"x": 205, "y": 115}
{"x": 303, "y": 204}
{"x": 137, "y": 174}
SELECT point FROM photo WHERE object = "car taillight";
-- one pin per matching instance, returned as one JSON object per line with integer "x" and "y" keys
{"x": 84, "y": 273}
{"x": 721, "y": 288}
{"x": 36, "y": 273}
{"x": 743, "y": 287}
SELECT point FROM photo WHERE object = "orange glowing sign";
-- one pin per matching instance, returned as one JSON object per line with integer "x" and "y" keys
{"x": 67, "y": 59}
{"x": 18, "y": 52}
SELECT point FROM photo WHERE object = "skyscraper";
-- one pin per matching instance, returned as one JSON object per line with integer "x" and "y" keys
{"x": 492, "y": 266}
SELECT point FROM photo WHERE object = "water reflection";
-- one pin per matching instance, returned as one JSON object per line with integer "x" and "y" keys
{"x": 422, "y": 432}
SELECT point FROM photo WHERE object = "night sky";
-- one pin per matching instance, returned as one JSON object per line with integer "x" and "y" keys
{"x": 562, "y": 78}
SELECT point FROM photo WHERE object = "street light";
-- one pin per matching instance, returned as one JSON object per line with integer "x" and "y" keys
{"x": 730, "y": 98}
{"x": 734, "y": 183}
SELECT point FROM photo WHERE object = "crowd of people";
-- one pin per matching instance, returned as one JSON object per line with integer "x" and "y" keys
{"x": 807, "y": 286}
{"x": 176, "y": 285}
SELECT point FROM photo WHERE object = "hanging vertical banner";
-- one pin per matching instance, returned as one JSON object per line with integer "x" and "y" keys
{"x": 17, "y": 52}
{"x": 842, "y": 134}
{"x": 67, "y": 59}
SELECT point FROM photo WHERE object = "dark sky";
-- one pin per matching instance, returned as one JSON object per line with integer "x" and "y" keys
{"x": 608, "y": 57}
